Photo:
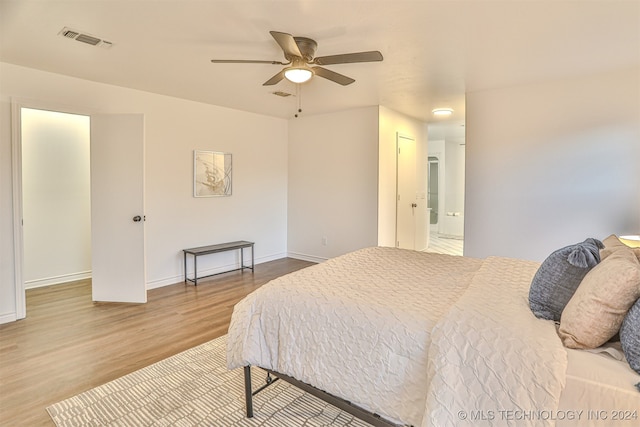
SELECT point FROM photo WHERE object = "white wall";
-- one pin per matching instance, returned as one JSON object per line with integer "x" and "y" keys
{"x": 256, "y": 211}
{"x": 551, "y": 164}
{"x": 455, "y": 175}
{"x": 452, "y": 223}
{"x": 333, "y": 183}
{"x": 437, "y": 149}
{"x": 391, "y": 123}
{"x": 56, "y": 197}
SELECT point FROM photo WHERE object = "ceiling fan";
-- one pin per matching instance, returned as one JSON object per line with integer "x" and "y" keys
{"x": 302, "y": 65}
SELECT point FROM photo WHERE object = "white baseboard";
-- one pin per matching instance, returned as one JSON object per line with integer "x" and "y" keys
{"x": 64, "y": 278}
{"x": 8, "y": 317}
{"x": 304, "y": 257}
{"x": 164, "y": 282}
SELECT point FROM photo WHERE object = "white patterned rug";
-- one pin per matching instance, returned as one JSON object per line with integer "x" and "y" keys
{"x": 194, "y": 388}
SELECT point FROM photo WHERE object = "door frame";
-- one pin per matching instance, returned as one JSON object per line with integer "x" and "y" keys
{"x": 16, "y": 174}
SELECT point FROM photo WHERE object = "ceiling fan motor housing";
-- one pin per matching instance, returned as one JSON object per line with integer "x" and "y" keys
{"x": 307, "y": 48}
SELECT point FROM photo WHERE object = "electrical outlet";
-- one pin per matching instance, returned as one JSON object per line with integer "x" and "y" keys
{"x": 324, "y": 241}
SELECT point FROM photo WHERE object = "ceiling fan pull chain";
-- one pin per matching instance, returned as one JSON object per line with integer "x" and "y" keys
{"x": 299, "y": 99}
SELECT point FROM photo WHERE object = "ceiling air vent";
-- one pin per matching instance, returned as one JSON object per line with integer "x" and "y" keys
{"x": 88, "y": 39}
{"x": 69, "y": 33}
{"x": 84, "y": 38}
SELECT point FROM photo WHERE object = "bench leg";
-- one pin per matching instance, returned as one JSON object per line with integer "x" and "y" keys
{"x": 195, "y": 270}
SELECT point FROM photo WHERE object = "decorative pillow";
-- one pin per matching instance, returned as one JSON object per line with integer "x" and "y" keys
{"x": 611, "y": 244}
{"x": 559, "y": 276}
{"x": 596, "y": 311}
{"x": 630, "y": 337}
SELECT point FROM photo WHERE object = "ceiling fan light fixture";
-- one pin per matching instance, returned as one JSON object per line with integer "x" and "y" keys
{"x": 442, "y": 112}
{"x": 298, "y": 74}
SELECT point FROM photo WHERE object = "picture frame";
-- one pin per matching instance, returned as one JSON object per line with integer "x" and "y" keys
{"x": 212, "y": 175}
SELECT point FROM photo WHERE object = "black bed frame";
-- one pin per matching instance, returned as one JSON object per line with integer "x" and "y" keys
{"x": 364, "y": 415}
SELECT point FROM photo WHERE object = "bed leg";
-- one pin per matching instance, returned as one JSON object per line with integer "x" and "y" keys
{"x": 247, "y": 391}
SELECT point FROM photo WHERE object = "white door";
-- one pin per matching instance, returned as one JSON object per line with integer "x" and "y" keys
{"x": 406, "y": 192}
{"x": 117, "y": 208}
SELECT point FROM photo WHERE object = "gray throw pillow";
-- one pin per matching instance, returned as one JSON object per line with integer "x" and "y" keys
{"x": 559, "y": 276}
{"x": 630, "y": 337}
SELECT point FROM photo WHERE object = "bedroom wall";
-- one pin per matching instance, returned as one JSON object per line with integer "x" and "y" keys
{"x": 437, "y": 148}
{"x": 551, "y": 164}
{"x": 333, "y": 183}
{"x": 256, "y": 211}
{"x": 453, "y": 212}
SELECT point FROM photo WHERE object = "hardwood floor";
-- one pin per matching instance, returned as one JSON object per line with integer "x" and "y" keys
{"x": 69, "y": 344}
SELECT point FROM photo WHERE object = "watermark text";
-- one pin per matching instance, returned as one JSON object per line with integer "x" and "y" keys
{"x": 543, "y": 415}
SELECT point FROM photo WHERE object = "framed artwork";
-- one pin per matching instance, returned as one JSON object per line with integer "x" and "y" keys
{"x": 211, "y": 174}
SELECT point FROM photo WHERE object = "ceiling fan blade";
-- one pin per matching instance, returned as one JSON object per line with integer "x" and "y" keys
{"x": 333, "y": 76}
{"x": 347, "y": 58}
{"x": 287, "y": 43}
{"x": 246, "y": 61}
{"x": 275, "y": 79}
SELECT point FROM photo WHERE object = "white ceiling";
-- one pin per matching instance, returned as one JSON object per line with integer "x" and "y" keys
{"x": 434, "y": 51}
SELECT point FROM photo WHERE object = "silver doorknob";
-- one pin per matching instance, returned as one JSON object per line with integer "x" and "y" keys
{"x": 137, "y": 218}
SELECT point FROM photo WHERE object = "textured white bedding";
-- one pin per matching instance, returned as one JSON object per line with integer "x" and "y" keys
{"x": 492, "y": 362}
{"x": 601, "y": 389}
{"x": 356, "y": 326}
{"x": 428, "y": 339}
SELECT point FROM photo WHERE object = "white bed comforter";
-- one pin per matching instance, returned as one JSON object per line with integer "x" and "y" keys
{"x": 491, "y": 361}
{"x": 427, "y": 339}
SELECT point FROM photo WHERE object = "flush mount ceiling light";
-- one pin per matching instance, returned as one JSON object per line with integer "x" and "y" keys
{"x": 442, "y": 112}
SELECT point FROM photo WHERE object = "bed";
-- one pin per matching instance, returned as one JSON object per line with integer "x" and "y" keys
{"x": 424, "y": 339}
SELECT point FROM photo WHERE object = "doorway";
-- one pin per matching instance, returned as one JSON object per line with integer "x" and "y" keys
{"x": 56, "y": 197}
{"x": 116, "y": 194}
{"x": 445, "y": 188}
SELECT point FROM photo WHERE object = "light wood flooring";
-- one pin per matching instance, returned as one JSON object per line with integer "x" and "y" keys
{"x": 69, "y": 344}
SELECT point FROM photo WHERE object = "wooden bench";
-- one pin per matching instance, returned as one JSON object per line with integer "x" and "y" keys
{"x": 212, "y": 249}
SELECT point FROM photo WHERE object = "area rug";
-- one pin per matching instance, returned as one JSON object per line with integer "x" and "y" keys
{"x": 194, "y": 388}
